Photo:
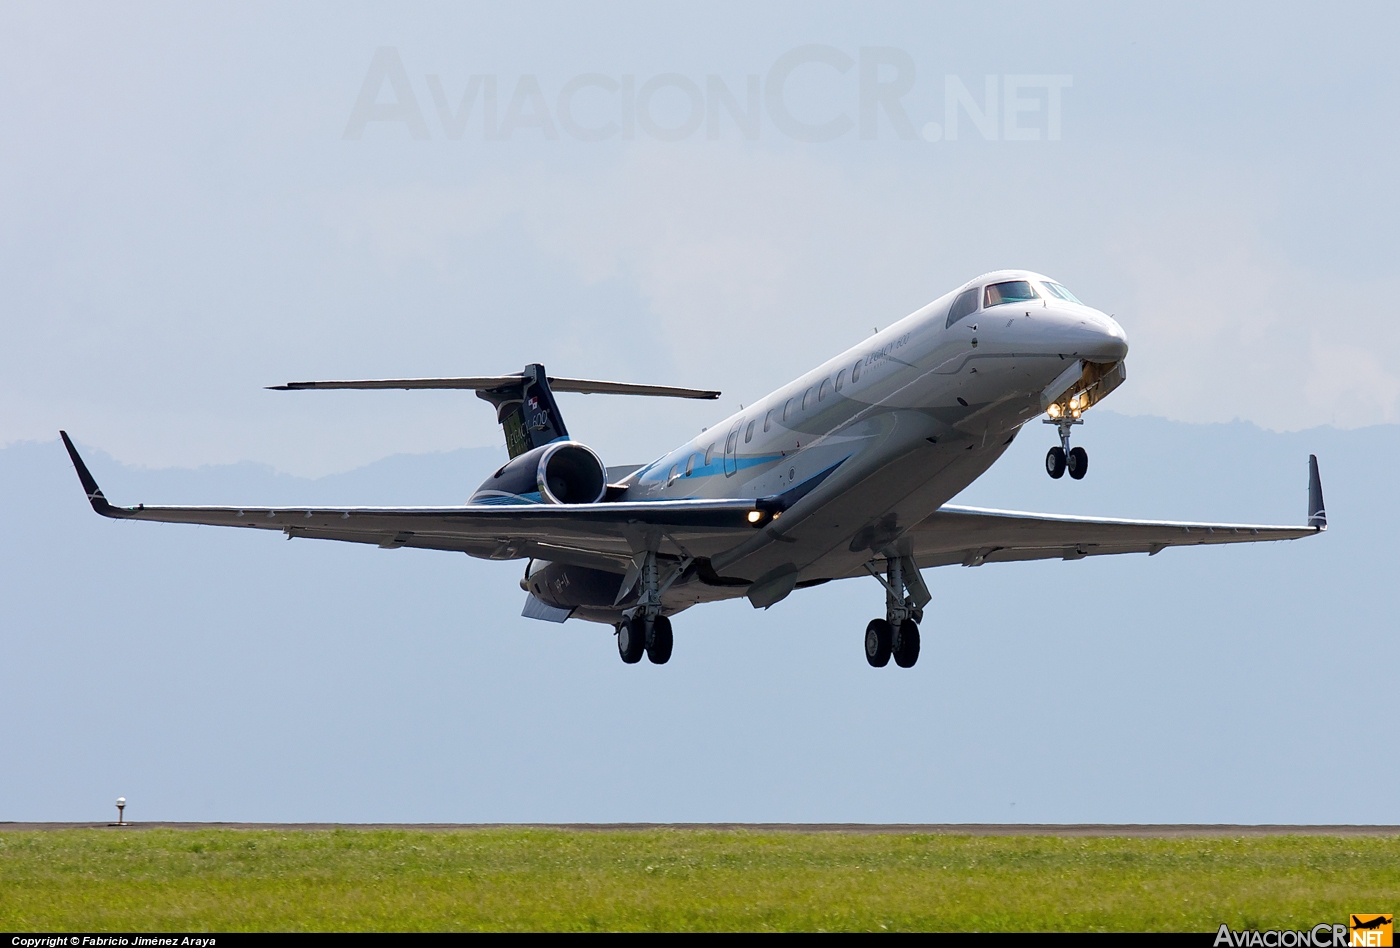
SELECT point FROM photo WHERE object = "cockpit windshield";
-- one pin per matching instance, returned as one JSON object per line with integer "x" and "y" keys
{"x": 1056, "y": 290}
{"x": 1014, "y": 291}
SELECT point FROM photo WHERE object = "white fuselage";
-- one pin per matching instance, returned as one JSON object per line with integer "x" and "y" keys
{"x": 908, "y": 418}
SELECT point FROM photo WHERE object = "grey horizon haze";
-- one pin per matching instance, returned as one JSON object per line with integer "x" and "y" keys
{"x": 198, "y": 202}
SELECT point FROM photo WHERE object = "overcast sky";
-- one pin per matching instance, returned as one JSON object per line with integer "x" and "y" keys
{"x": 197, "y": 201}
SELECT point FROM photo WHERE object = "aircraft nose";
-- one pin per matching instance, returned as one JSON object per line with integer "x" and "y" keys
{"x": 1115, "y": 341}
{"x": 1101, "y": 340}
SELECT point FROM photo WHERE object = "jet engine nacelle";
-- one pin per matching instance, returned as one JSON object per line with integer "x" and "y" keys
{"x": 562, "y": 472}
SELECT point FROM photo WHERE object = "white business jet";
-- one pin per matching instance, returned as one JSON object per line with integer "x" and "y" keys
{"x": 846, "y": 471}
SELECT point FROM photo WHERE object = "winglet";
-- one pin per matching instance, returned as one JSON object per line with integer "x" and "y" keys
{"x": 1317, "y": 511}
{"x": 94, "y": 493}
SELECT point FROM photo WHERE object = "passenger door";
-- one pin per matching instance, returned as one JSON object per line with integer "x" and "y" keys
{"x": 731, "y": 449}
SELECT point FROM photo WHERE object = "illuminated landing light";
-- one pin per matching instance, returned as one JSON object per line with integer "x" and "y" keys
{"x": 755, "y": 516}
{"x": 1076, "y": 413}
{"x": 1053, "y": 411}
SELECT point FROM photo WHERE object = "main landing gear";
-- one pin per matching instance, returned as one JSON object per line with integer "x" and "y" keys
{"x": 897, "y": 635}
{"x": 1064, "y": 458}
{"x": 640, "y": 634}
{"x": 643, "y": 627}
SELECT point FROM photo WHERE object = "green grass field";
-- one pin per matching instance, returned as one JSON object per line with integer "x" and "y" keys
{"x": 531, "y": 879}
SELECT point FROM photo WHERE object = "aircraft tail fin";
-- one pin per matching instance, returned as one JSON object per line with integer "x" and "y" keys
{"x": 526, "y": 410}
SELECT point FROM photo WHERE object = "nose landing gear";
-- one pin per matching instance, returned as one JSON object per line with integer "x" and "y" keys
{"x": 1064, "y": 458}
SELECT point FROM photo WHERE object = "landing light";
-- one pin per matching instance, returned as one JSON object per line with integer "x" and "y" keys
{"x": 1075, "y": 413}
{"x": 755, "y": 516}
{"x": 1053, "y": 411}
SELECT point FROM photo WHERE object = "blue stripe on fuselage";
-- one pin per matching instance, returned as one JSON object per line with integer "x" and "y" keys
{"x": 652, "y": 471}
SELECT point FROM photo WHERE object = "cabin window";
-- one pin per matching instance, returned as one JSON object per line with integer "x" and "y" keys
{"x": 787, "y": 409}
{"x": 824, "y": 390}
{"x": 690, "y": 465}
{"x": 840, "y": 380}
{"x": 768, "y": 418}
{"x": 748, "y": 432}
{"x": 806, "y": 399}
{"x": 855, "y": 372}
{"x": 1013, "y": 291}
{"x": 709, "y": 455}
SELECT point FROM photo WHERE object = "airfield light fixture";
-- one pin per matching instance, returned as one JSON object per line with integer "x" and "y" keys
{"x": 121, "y": 810}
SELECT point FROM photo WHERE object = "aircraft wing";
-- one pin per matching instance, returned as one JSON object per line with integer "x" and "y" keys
{"x": 974, "y": 535}
{"x": 607, "y": 535}
{"x": 604, "y": 535}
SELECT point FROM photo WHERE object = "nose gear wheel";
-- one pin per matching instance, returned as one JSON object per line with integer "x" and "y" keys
{"x": 1078, "y": 463}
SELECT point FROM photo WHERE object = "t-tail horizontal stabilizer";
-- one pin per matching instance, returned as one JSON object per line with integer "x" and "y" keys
{"x": 524, "y": 402}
